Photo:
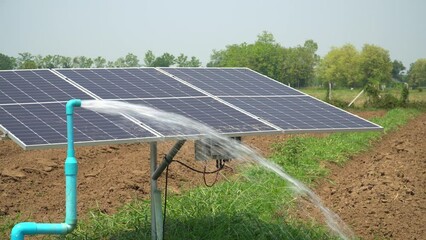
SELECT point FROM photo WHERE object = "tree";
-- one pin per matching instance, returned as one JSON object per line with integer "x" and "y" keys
{"x": 165, "y": 60}
{"x": 51, "y": 61}
{"x": 341, "y": 66}
{"x": 26, "y": 61}
{"x": 299, "y": 63}
{"x": 149, "y": 58}
{"x": 65, "y": 62}
{"x": 99, "y": 62}
{"x": 130, "y": 60}
{"x": 216, "y": 58}
{"x": 82, "y": 62}
{"x": 6, "y": 62}
{"x": 397, "y": 68}
{"x": 265, "y": 55}
{"x": 375, "y": 65}
{"x": 417, "y": 73}
{"x": 182, "y": 61}
{"x": 30, "y": 64}
{"x": 194, "y": 62}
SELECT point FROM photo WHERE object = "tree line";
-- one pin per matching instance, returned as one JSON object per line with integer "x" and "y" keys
{"x": 298, "y": 66}
{"x": 28, "y": 61}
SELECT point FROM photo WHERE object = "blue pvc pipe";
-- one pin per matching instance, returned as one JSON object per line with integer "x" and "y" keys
{"x": 31, "y": 228}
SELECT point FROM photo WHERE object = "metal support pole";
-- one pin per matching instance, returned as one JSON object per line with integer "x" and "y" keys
{"x": 168, "y": 159}
{"x": 156, "y": 212}
{"x": 153, "y": 166}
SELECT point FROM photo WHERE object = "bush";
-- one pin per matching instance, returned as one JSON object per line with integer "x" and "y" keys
{"x": 386, "y": 101}
{"x": 404, "y": 95}
{"x": 338, "y": 103}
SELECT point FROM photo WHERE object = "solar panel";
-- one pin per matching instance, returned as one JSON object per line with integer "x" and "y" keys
{"x": 231, "y": 81}
{"x": 129, "y": 83}
{"x": 301, "y": 114}
{"x": 206, "y": 110}
{"x": 44, "y": 125}
{"x": 233, "y": 101}
{"x": 36, "y": 86}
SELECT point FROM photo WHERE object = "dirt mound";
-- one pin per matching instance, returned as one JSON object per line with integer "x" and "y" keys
{"x": 382, "y": 193}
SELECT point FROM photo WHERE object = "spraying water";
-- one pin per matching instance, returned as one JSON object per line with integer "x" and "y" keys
{"x": 161, "y": 120}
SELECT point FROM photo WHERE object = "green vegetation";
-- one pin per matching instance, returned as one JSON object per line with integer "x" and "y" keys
{"x": 294, "y": 65}
{"x": 341, "y": 97}
{"x": 28, "y": 61}
{"x": 297, "y": 66}
{"x": 6, "y": 62}
{"x": 417, "y": 73}
{"x": 371, "y": 68}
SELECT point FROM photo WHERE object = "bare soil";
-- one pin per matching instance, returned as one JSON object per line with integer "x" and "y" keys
{"x": 380, "y": 193}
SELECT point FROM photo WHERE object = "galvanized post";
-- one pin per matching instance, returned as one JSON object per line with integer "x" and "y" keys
{"x": 153, "y": 159}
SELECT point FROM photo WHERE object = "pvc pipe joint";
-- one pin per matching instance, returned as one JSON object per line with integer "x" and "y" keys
{"x": 71, "y": 104}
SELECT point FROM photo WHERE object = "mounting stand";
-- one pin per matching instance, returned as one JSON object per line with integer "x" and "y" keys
{"x": 156, "y": 212}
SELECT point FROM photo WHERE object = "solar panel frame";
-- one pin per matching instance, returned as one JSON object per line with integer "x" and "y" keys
{"x": 200, "y": 93}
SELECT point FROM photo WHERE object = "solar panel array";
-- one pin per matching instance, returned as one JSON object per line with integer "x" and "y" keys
{"x": 234, "y": 101}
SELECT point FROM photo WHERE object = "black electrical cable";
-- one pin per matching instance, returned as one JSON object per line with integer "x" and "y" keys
{"x": 220, "y": 166}
{"x": 199, "y": 171}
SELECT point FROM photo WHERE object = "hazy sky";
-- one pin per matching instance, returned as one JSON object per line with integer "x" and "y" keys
{"x": 114, "y": 28}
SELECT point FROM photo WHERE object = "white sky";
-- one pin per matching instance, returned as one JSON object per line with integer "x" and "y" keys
{"x": 114, "y": 28}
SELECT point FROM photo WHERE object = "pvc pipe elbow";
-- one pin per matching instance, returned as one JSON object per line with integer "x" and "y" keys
{"x": 31, "y": 228}
{"x": 71, "y": 104}
{"x": 22, "y": 229}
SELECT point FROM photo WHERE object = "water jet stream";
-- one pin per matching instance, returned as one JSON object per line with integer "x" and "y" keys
{"x": 159, "y": 120}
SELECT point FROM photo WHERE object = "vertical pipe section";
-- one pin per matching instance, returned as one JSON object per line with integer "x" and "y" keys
{"x": 31, "y": 228}
{"x": 153, "y": 160}
{"x": 71, "y": 168}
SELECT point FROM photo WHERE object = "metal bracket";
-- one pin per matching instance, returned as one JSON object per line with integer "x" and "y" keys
{"x": 3, "y": 135}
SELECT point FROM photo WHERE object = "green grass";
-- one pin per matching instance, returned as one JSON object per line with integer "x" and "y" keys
{"x": 254, "y": 204}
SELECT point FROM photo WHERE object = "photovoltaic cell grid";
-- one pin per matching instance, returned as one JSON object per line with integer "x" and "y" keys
{"x": 299, "y": 114}
{"x": 231, "y": 81}
{"x": 129, "y": 83}
{"x": 206, "y": 110}
{"x": 36, "y": 86}
{"x": 44, "y": 124}
{"x": 270, "y": 100}
{"x": 32, "y": 109}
